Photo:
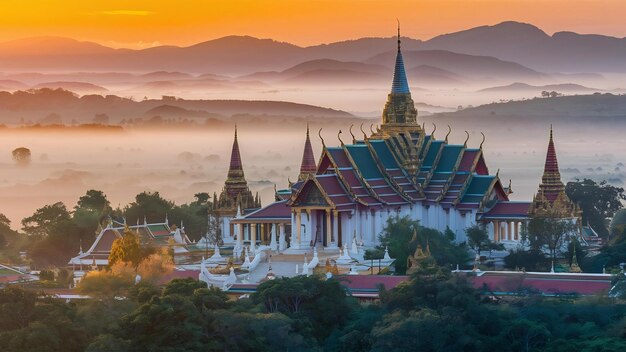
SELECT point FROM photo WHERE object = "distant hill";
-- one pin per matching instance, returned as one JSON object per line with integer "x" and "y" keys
{"x": 37, "y": 104}
{"x": 472, "y": 66}
{"x": 510, "y": 41}
{"x": 169, "y": 111}
{"x": 530, "y": 46}
{"x": 79, "y": 87}
{"x": 594, "y": 108}
{"x": 523, "y": 87}
{"x": 430, "y": 75}
{"x": 10, "y": 84}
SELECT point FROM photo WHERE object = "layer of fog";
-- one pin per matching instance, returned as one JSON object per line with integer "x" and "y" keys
{"x": 180, "y": 163}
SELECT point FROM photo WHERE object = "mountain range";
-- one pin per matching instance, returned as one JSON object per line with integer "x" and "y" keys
{"x": 513, "y": 42}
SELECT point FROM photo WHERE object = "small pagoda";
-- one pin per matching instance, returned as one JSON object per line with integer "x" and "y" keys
{"x": 236, "y": 194}
{"x": 551, "y": 199}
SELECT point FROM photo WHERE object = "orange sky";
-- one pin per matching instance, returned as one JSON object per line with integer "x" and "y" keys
{"x": 141, "y": 23}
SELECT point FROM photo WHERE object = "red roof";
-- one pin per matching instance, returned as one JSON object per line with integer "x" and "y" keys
{"x": 371, "y": 282}
{"x": 276, "y": 210}
{"x": 545, "y": 283}
{"x": 106, "y": 241}
{"x": 339, "y": 156}
{"x": 467, "y": 161}
{"x": 510, "y": 209}
{"x": 179, "y": 274}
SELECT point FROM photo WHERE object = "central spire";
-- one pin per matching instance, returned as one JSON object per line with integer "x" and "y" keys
{"x": 399, "y": 114}
{"x": 400, "y": 83}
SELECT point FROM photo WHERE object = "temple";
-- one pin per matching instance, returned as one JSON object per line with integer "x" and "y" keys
{"x": 235, "y": 195}
{"x": 397, "y": 170}
{"x": 158, "y": 234}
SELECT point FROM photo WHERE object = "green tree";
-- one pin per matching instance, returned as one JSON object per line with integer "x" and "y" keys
{"x": 21, "y": 156}
{"x": 127, "y": 249}
{"x": 168, "y": 323}
{"x": 46, "y": 219}
{"x": 322, "y": 302}
{"x": 526, "y": 335}
{"x": 477, "y": 238}
{"x": 149, "y": 205}
{"x": 531, "y": 260}
{"x": 91, "y": 210}
{"x": 598, "y": 201}
{"x": 396, "y": 237}
{"x": 402, "y": 236}
{"x": 550, "y": 232}
{"x": 618, "y": 223}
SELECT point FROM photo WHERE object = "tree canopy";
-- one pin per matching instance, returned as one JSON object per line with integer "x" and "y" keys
{"x": 598, "y": 201}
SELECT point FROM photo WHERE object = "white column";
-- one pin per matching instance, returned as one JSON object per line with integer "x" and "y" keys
{"x": 252, "y": 237}
{"x": 335, "y": 235}
{"x": 296, "y": 243}
{"x": 281, "y": 246}
{"x": 240, "y": 234}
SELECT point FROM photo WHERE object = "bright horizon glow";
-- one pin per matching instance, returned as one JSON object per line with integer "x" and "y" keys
{"x": 143, "y": 23}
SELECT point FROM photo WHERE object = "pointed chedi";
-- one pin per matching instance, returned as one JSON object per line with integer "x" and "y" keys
{"x": 308, "y": 166}
{"x": 236, "y": 192}
{"x": 551, "y": 199}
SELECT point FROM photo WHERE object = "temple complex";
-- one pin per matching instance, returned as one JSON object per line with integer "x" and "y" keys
{"x": 396, "y": 170}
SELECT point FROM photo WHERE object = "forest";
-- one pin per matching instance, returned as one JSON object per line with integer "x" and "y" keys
{"x": 434, "y": 311}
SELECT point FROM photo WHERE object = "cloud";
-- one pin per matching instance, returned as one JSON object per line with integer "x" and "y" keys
{"x": 127, "y": 13}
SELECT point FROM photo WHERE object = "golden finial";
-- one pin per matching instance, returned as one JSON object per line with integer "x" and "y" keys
{"x": 307, "y": 129}
{"x": 432, "y": 134}
{"x": 289, "y": 182}
{"x": 339, "y": 137}
{"x": 483, "y": 141}
{"x": 449, "y": 131}
{"x": 352, "y": 134}
{"x": 466, "y": 139}
{"x": 372, "y": 128}
{"x": 364, "y": 134}
{"x": 498, "y": 173}
{"x": 398, "y": 34}
{"x": 319, "y": 133}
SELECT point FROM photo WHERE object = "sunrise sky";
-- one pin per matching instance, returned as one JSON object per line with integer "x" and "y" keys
{"x": 144, "y": 23}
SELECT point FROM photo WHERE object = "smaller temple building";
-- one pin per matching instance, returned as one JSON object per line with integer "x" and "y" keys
{"x": 150, "y": 234}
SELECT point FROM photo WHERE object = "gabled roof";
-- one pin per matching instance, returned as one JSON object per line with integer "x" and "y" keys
{"x": 274, "y": 211}
{"x": 508, "y": 210}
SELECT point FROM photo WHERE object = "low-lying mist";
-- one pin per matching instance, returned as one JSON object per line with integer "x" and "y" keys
{"x": 181, "y": 162}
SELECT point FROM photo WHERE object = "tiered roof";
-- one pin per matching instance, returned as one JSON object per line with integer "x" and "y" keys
{"x": 368, "y": 173}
